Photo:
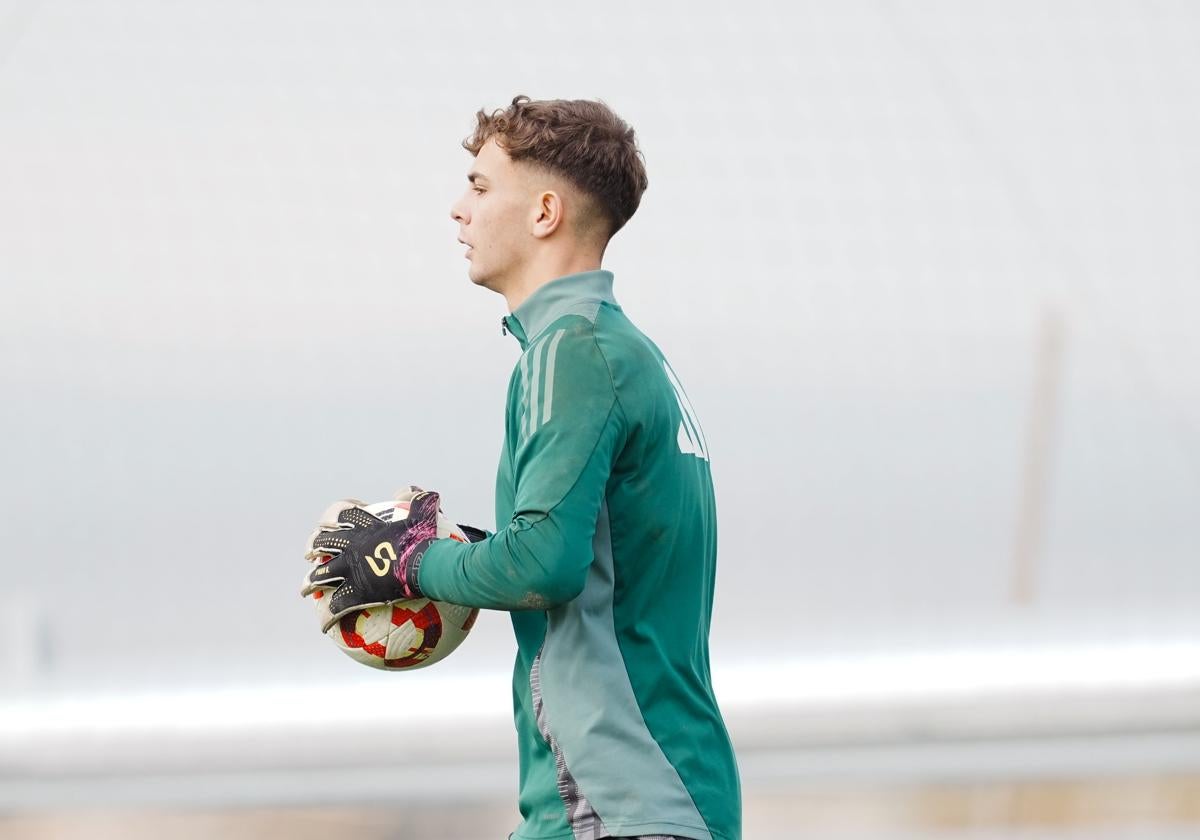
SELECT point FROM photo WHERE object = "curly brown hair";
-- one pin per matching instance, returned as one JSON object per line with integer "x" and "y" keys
{"x": 579, "y": 139}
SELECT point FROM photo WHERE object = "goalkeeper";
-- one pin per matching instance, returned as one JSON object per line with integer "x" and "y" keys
{"x": 606, "y": 549}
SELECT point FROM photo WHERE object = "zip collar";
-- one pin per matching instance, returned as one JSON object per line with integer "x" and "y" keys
{"x": 510, "y": 324}
{"x": 580, "y": 294}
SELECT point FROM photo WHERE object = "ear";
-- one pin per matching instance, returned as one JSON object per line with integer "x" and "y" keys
{"x": 549, "y": 214}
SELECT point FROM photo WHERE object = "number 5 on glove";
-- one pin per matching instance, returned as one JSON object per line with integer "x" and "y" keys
{"x": 372, "y": 561}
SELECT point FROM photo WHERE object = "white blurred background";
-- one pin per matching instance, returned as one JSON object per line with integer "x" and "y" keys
{"x": 927, "y": 270}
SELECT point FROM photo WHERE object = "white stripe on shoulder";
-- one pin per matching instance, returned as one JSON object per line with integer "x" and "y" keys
{"x": 524, "y": 396}
{"x": 536, "y": 352}
{"x": 548, "y": 391}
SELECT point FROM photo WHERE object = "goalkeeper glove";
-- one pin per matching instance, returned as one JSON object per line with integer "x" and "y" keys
{"x": 372, "y": 562}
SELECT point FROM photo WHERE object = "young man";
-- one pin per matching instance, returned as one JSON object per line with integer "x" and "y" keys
{"x": 606, "y": 545}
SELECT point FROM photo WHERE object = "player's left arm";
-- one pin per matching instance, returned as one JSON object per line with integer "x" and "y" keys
{"x": 571, "y": 429}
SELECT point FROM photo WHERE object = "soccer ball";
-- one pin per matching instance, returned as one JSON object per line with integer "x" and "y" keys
{"x": 401, "y": 635}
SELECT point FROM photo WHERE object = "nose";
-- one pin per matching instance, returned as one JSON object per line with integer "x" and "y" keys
{"x": 457, "y": 213}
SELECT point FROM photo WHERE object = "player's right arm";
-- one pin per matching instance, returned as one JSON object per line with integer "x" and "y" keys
{"x": 571, "y": 428}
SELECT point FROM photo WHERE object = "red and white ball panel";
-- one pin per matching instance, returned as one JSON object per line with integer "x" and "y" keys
{"x": 403, "y": 634}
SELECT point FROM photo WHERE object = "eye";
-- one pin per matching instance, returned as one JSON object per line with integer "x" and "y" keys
{"x": 477, "y": 190}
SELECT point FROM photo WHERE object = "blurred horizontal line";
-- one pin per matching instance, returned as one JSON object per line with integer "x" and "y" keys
{"x": 800, "y": 719}
{"x": 902, "y": 678}
{"x": 963, "y": 673}
{"x": 395, "y": 782}
{"x": 1092, "y": 756}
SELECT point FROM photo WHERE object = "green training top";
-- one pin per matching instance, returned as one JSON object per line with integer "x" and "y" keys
{"x": 606, "y": 561}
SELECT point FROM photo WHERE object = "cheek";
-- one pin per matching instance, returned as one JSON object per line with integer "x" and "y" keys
{"x": 497, "y": 225}
{"x": 511, "y": 223}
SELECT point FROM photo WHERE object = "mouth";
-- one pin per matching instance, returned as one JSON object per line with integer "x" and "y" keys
{"x": 470, "y": 247}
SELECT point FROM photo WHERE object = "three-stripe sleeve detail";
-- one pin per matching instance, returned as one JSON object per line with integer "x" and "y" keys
{"x": 691, "y": 436}
{"x": 537, "y": 378}
{"x": 551, "y": 353}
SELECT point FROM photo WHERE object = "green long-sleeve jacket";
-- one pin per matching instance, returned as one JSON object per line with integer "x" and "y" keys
{"x": 605, "y": 554}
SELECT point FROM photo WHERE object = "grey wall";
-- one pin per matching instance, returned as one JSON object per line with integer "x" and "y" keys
{"x": 224, "y": 233}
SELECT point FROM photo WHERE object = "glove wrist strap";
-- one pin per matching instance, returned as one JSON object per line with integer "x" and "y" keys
{"x": 410, "y": 570}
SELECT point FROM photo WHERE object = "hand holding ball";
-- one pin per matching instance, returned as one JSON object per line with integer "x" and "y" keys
{"x": 364, "y": 581}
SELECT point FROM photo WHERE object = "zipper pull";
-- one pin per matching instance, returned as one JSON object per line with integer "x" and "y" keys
{"x": 504, "y": 326}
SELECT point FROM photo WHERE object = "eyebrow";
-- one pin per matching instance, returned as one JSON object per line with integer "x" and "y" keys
{"x": 476, "y": 175}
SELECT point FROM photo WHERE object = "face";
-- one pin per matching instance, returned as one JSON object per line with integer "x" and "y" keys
{"x": 495, "y": 217}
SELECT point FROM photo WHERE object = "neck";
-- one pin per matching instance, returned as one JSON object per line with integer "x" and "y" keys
{"x": 539, "y": 272}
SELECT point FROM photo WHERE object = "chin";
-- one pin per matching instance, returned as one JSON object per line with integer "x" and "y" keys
{"x": 480, "y": 278}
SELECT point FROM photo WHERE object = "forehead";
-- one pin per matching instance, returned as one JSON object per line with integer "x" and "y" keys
{"x": 492, "y": 163}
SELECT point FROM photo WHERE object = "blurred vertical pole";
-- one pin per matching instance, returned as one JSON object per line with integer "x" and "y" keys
{"x": 1039, "y": 445}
